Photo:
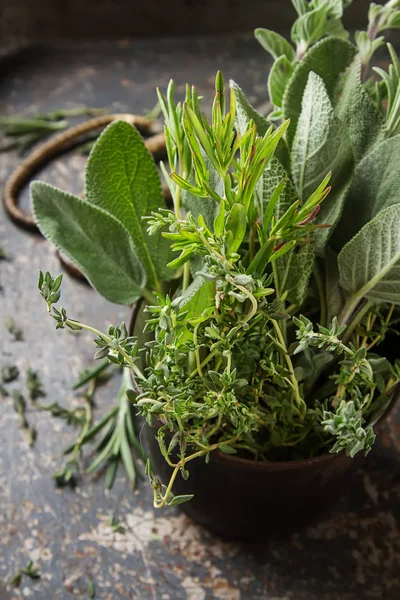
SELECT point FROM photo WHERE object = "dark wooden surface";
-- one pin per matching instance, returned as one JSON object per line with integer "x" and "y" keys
{"x": 44, "y": 19}
{"x": 353, "y": 553}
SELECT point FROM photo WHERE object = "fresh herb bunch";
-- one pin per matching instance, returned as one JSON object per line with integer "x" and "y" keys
{"x": 266, "y": 328}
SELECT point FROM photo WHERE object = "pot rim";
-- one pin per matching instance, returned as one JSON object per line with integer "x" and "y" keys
{"x": 285, "y": 465}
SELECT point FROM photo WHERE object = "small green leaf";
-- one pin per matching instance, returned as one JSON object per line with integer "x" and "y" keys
{"x": 219, "y": 220}
{"x": 94, "y": 240}
{"x": 310, "y": 27}
{"x": 275, "y": 44}
{"x": 225, "y": 449}
{"x": 333, "y": 293}
{"x": 198, "y": 297}
{"x": 283, "y": 250}
{"x": 278, "y": 79}
{"x": 180, "y": 499}
{"x": 237, "y": 225}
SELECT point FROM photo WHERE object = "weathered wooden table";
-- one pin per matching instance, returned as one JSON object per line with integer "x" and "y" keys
{"x": 353, "y": 553}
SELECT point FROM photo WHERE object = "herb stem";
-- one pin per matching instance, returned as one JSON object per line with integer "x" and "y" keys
{"x": 322, "y": 295}
{"x": 181, "y": 464}
{"x": 356, "y": 321}
{"x": 107, "y": 339}
{"x": 349, "y": 308}
{"x": 252, "y": 243}
{"x": 186, "y": 275}
{"x": 289, "y": 363}
{"x": 205, "y": 361}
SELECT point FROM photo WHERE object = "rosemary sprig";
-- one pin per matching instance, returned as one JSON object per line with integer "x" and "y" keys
{"x": 23, "y": 132}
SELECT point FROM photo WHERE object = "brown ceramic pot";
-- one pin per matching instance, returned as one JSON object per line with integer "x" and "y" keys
{"x": 246, "y": 500}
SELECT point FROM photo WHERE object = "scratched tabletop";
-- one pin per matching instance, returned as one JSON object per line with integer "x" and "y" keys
{"x": 354, "y": 552}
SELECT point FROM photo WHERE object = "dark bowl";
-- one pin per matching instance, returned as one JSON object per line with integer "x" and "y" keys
{"x": 247, "y": 500}
{"x": 251, "y": 501}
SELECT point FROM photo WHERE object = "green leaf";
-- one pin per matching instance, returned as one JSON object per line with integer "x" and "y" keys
{"x": 321, "y": 145}
{"x": 236, "y": 225}
{"x": 369, "y": 265}
{"x": 180, "y": 499}
{"x": 334, "y": 27}
{"x": 198, "y": 297}
{"x": 313, "y": 363}
{"x": 245, "y": 112}
{"x": 310, "y": 27}
{"x": 392, "y": 21}
{"x": 355, "y": 108}
{"x": 225, "y": 449}
{"x": 94, "y": 240}
{"x": 295, "y": 267}
{"x": 207, "y": 207}
{"x": 122, "y": 179}
{"x": 327, "y": 58}
{"x": 333, "y": 293}
{"x": 376, "y": 187}
{"x": 279, "y": 76}
{"x": 275, "y": 44}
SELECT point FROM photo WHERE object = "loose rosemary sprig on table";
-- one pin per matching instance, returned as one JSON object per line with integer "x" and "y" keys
{"x": 23, "y": 132}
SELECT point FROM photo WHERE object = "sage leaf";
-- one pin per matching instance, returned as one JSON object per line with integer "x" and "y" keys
{"x": 310, "y": 27}
{"x": 313, "y": 363}
{"x": 355, "y": 108}
{"x": 294, "y": 268}
{"x": 198, "y": 297}
{"x": 94, "y": 240}
{"x": 328, "y": 58}
{"x": 333, "y": 293}
{"x": 321, "y": 145}
{"x": 275, "y": 44}
{"x": 369, "y": 265}
{"x": 245, "y": 112}
{"x": 206, "y": 207}
{"x": 279, "y": 76}
{"x": 376, "y": 186}
{"x": 334, "y": 27}
{"x": 122, "y": 179}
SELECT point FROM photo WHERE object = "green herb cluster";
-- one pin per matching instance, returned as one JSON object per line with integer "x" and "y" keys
{"x": 273, "y": 282}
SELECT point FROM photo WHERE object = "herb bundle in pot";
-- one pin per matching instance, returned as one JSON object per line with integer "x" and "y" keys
{"x": 270, "y": 286}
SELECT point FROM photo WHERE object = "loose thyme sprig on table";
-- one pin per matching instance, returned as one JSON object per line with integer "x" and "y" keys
{"x": 114, "y": 433}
